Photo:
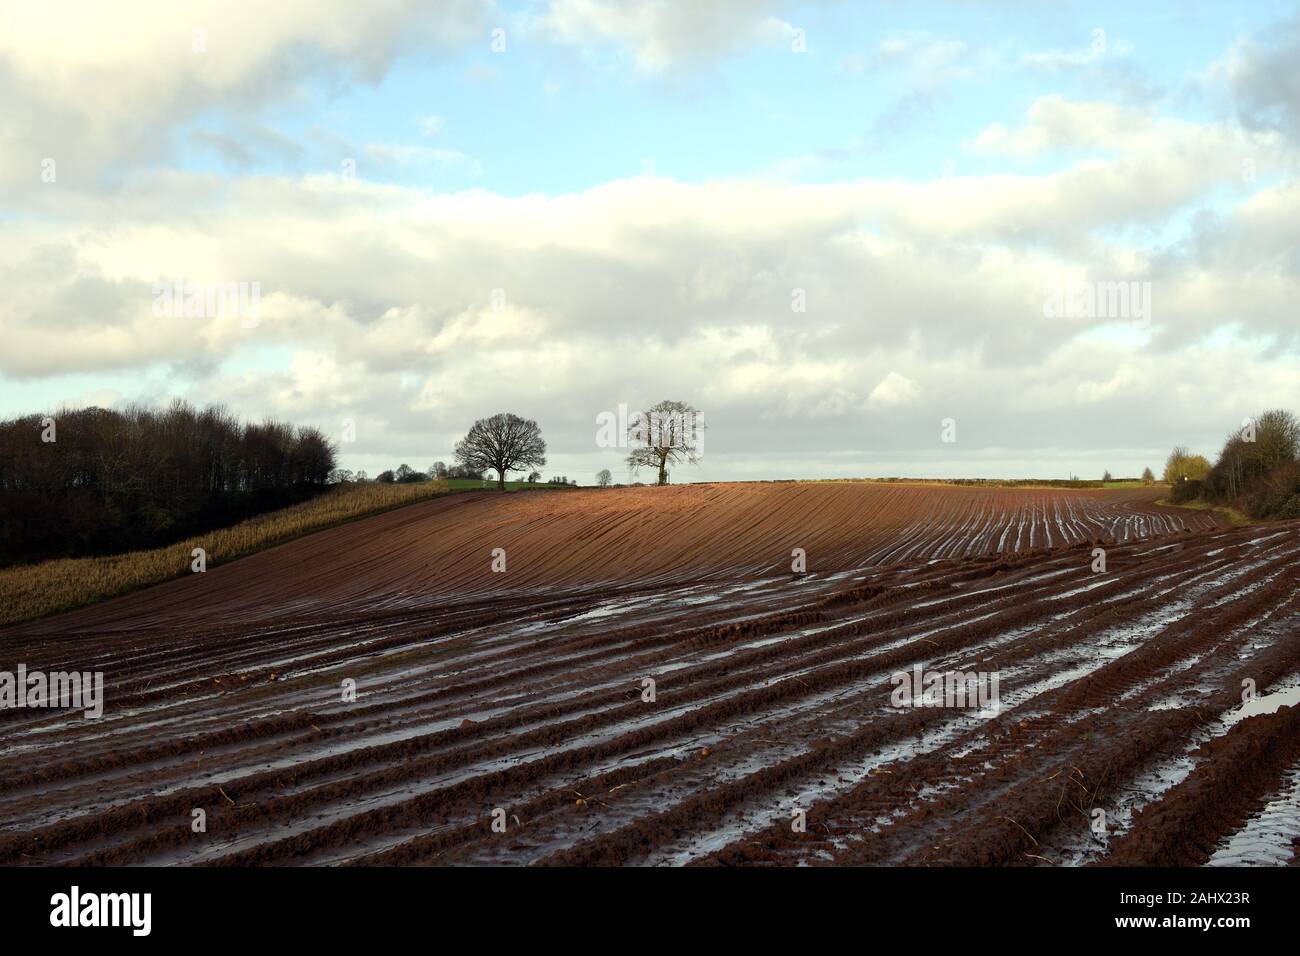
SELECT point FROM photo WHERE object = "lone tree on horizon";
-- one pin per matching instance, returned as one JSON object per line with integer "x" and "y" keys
{"x": 504, "y": 442}
{"x": 665, "y": 434}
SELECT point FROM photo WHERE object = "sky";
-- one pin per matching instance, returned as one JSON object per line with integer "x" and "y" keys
{"x": 1000, "y": 239}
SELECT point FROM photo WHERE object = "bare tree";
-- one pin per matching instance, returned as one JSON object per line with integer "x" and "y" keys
{"x": 1277, "y": 439}
{"x": 504, "y": 442}
{"x": 665, "y": 434}
{"x": 1147, "y": 477}
{"x": 1183, "y": 465}
{"x": 603, "y": 478}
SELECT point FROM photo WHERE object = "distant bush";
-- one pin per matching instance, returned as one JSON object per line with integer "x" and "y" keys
{"x": 989, "y": 482}
{"x": 464, "y": 471}
{"x": 1181, "y": 492}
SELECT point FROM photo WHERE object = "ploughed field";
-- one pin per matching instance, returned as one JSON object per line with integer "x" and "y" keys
{"x": 517, "y": 700}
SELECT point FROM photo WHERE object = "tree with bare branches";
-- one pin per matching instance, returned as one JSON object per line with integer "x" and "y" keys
{"x": 665, "y": 434}
{"x": 504, "y": 442}
{"x": 139, "y": 477}
{"x": 1276, "y": 439}
{"x": 1182, "y": 465}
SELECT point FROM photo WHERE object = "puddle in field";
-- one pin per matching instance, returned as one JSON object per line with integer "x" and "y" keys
{"x": 1267, "y": 704}
{"x": 1258, "y": 842}
{"x": 1266, "y": 838}
{"x": 1083, "y": 589}
{"x": 849, "y": 774}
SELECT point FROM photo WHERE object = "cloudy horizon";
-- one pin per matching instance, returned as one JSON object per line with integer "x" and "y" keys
{"x": 1064, "y": 235}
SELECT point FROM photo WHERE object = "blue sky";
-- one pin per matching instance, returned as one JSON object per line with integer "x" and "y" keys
{"x": 619, "y": 205}
{"x": 542, "y": 118}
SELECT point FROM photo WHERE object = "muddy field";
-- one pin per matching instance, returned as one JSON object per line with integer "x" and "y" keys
{"x": 519, "y": 698}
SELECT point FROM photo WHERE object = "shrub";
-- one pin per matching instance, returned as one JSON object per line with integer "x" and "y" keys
{"x": 1275, "y": 496}
{"x": 1182, "y": 464}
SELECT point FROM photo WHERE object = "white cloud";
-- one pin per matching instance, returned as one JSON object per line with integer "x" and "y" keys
{"x": 894, "y": 391}
{"x": 109, "y": 92}
{"x": 661, "y": 34}
{"x": 1260, "y": 76}
{"x": 382, "y": 298}
{"x": 1180, "y": 147}
{"x": 380, "y": 303}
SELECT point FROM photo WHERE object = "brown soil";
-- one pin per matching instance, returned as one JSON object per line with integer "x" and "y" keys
{"x": 522, "y": 692}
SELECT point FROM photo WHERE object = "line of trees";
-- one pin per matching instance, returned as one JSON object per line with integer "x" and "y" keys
{"x": 1257, "y": 468}
{"x": 99, "y": 481}
{"x": 96, "y": 481}
{"x": 404, "y": 474}
{"x": 665, "y": 434}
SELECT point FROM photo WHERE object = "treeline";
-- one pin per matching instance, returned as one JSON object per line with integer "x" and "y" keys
{"x": 1256, "y": 471}
{"x": 93, "y": 481}
{"x": 1074, "y": 482}
{"x": 405, "y": 474}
